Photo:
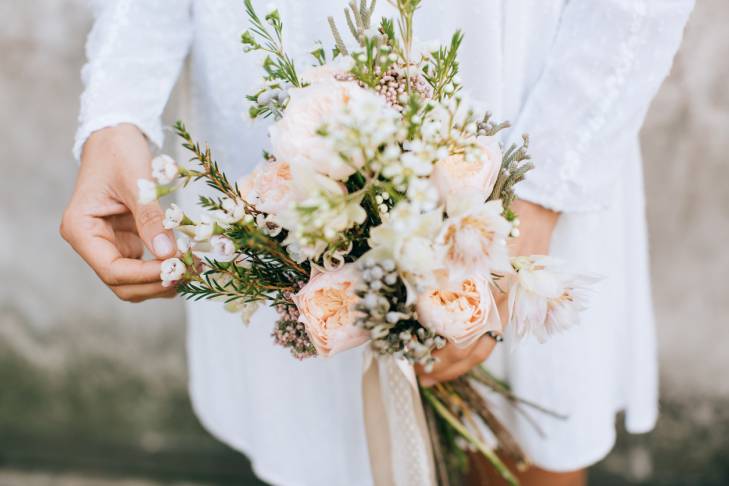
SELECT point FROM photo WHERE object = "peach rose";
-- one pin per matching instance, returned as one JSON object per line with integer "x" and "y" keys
{"x": 326, "y": 307}
{"x": 454, "y": 175}
{"x": 268, "y": 188}
{"x": 461, "y": 312}
{"x": 294, "y": 137}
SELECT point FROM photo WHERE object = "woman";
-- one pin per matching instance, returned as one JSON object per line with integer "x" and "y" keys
{"x": 578, "y": 75}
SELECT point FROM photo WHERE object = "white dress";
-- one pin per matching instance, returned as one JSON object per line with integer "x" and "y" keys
{"x": 577, "y": 75}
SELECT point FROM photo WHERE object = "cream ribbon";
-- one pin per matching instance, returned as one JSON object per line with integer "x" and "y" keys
{"x": 397, "y": 434}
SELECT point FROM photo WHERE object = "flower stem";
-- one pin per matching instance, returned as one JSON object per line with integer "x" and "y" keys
{"x": 453, "y": 421}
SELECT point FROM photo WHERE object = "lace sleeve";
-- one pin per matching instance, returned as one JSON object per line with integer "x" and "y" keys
{"x": 607, "y": 62}
{"x": 135, "y": 51}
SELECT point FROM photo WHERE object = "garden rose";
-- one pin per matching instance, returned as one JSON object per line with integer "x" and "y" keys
{"x": 457, "y": 173}
{"x": 294, "y": 138}
{"x": 268, "y": 188}
{"x": 326, "y": 307}
{"x": 460, "y": 311}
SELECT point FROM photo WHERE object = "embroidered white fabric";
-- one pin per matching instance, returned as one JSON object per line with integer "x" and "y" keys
{"x": 577, "y": 75}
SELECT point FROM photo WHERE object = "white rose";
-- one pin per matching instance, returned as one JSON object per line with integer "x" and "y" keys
{"x": 294, "y": 138}
{"x": 164, "y": 169}
{"x": 172, "y": 271}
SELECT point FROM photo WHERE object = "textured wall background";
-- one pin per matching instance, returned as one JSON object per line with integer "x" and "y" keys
{"x": 91, "y": 384}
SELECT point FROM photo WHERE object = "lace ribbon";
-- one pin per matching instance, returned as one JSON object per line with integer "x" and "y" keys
{"x": 397, "y": 434}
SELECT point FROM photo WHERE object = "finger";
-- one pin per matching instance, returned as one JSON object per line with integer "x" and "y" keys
{"x": 156, "y": 238}
{"x": 123, "y": 222}
{"x": 95, "y": 241}
{"x": 142, "y": 292}
{"x": 129, "y": 244}
{"x": 444, "y": 358}
{"x": 480, "y": 352}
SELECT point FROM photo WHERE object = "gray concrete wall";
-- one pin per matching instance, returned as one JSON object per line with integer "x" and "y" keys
{"x": 84, "y": 378}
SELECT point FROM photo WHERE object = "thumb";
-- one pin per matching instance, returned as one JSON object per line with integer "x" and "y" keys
{"x": 148, "y": 218}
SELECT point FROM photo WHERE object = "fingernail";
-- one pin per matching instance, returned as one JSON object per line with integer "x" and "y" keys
{"x": 162, "y": 245}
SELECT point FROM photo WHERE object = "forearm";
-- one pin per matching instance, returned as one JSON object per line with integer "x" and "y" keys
{"x": 536, "y": 225}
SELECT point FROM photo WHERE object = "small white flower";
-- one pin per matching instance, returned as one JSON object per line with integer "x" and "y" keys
{"x": 204, "y": 229}
{"x": 423, "y": 194}
{"x": 223, "y": 248}
{"x": 147, "y": 191}
{"x": 183, "y": 243}
{"x": 407, "y": 238}
{"x": 246, "y": 309}
{"x": 173, "y": 217}
{"x": 172, "y": 271}
{"x": 233, "y": 211}
{"x": 164, "y": 169}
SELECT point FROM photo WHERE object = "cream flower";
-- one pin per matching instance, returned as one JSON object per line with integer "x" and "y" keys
{"x": 173, "y": 217}
{"x": 246, "y": 309}
{"x": 544, "y": 300}
{"x": 294, "y": 138}
{"x": 171, "y": 271}
{"x": 326, "y": 307}
{"x": 204, "y": 229}
{"x": 407, "y": 237}
{"x": 147, "y": 191}
{"x": 460, "y": 311}
{"x": 457, "y": 173}
{"x": 233, "y": 210}
{"x": 329, "y": 71}
{"x": 473, "y": 241}
{"x": 164, "y": 169}
{"x": 268, "y": 187}
{"x": 223, "y": 248}
{"x": 322, "y": 213}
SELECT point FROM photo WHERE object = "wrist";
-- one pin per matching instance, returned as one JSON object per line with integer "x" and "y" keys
{"x": 536, "y": 226}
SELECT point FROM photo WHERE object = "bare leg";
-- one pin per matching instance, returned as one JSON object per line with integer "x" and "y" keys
{"x": 482, "y": 474}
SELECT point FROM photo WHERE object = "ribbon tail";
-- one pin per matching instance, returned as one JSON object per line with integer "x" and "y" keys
{"x": 397, "y": 432}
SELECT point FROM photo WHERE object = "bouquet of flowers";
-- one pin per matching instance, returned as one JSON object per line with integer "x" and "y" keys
{"x": 381, "y": 215}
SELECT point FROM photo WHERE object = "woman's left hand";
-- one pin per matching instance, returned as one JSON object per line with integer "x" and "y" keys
{"x": 536, "y": 226}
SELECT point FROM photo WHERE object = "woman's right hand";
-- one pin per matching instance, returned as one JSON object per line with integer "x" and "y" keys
{"x": 107, "y": 226}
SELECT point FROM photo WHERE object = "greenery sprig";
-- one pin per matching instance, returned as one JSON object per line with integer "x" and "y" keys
{"x": 442, "y": 69}
{"x": 210, "y": 169}
{"x": 278, "y": 65}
